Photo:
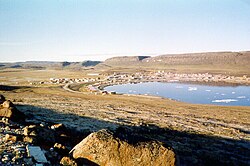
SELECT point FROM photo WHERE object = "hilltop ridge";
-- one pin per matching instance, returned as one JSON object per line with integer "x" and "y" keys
{"x": 225, "y": 58}
{"x": 210, "y": 58}
{"x": 235, "y": 63}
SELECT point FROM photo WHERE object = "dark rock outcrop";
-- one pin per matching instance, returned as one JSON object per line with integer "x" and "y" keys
{"x": 103, "y": 148}
{"x": 90, "y": 63}
{"x": 2, "y": 99}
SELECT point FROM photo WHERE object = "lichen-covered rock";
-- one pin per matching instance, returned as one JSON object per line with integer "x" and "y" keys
{"x": 66, "y": 161}
{"x": 8, "y": 110}
{"x": 103, "y": 148}
{"x": 12, "y": 138}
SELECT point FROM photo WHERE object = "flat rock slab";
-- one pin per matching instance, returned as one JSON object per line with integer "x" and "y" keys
{"x": 37, "y": 153}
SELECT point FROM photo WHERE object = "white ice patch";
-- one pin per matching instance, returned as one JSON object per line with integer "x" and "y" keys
{"x": 192, "y": 88}
{"x": 241, "y": 97}
{"x": 224, "y": 101}
{"x": 233, "y": 92}
{"x": 208, "y": 90}
{"x": 179, "y": 87}
{"x": 223, "y": 94}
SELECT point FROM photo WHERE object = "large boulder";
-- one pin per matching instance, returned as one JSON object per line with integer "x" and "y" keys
{"x": 103, "y": 148}
{"x": 8, "y": 110}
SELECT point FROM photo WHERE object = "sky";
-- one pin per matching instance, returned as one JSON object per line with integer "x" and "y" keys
{"x": 78, "y": 30}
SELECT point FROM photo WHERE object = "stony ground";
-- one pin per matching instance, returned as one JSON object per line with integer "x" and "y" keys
{"x": 200, "y": 134}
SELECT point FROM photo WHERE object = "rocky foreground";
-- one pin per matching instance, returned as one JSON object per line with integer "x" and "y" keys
{"x": 25, "y": 142}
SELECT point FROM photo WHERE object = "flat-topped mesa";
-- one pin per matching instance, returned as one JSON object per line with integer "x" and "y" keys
{"x": 125, "y": 60}
{"x": 103, "y": 148}
{"x": 205, "y": 58}
{"x": 8, "y": 110}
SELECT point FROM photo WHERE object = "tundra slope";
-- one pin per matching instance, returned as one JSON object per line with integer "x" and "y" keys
{"x": 200, "y": 134}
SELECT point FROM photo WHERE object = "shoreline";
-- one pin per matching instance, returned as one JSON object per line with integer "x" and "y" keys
{"x": 101, "y": 90}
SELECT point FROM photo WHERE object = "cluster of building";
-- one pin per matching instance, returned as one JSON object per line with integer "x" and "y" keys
{"x": 118, "y": 78}
{"x": 70, "y": 80}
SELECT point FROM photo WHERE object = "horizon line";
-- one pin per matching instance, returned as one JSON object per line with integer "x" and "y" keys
{"x": 122, "y": 54}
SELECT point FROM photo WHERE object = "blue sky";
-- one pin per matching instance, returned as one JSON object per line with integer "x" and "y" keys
{"x": 71, "y": 30}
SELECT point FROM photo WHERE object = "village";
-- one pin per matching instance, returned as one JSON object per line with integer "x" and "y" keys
{"x": 97, "y": 85}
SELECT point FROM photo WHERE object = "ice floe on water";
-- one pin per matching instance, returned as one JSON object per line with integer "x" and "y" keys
{"x": 241, "y": 97}
{"x": 233, "y": 92}
{"x": 179, "y": 87}
{"x": 192, "y": 88}
{"x": 222, "y": 94}
{"x": 208, "y": 90}
{"x": 224, "y": 101}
